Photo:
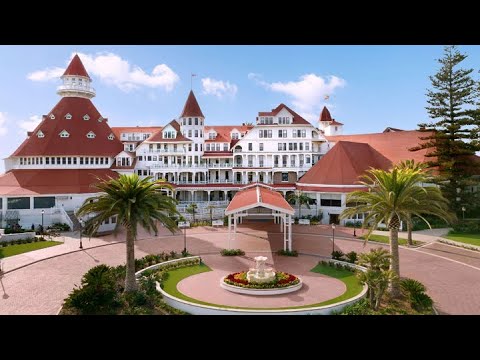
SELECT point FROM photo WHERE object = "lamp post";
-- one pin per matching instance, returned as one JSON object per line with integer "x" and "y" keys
{"x": 333, "y": 238}
{"x": 354, "y": 228}
{"x": 463, "y": 211}
{"x": 43, "y": 212}
{"x": 81, "y": 230}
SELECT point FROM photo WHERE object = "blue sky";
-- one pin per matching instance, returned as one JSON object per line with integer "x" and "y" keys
{"x": 368, "y": 87}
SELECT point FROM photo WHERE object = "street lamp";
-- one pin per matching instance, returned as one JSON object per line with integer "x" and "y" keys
{"x": 333, "y": 238}
{"x": 463, "y": 211}
{"x": 184, "y": 226}
{"x": 354, "y": 228}
{"x": 82, "y": 223}
{"x": 43, "y": 212}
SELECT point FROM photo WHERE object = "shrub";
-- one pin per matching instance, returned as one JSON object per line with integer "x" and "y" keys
{"x": 185, "y": 253}
{"x": 60, "y": 226}
{"x": 412, "y": 286}
{"x": 338, "y": 255}
{"x": 421, "y": 301}
{"x": 415, "y": 292}
{"x": 232, "y": 252}
{"x": 359, "y": 308}
{"x": 467, "y": 226}
{"x": 287, "y": 253}
{"x": 355, "y": 224}
{"x": 351, "y": 257}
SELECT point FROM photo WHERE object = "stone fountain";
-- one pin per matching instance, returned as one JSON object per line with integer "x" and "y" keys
{"x": 260, "y": 274}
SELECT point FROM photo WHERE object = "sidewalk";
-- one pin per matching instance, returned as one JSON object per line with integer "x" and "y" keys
{"x": 427, "y": 236}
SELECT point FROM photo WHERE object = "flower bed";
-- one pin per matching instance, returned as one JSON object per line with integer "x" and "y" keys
{"x": 282, "y": 279}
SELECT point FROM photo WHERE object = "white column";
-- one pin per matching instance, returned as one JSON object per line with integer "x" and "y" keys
{"x": 281, "y": 224}
{"x": 290, "y": 232}
{"x": 229, "y": 230}
{"x": 285, "y": 230}
{"x": 191, "y": 193}
{"x": 208, "y": 194}
{"x": 235, "y": 227}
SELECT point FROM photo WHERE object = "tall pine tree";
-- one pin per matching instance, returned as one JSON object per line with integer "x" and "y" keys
{"x": 452, "y": 133}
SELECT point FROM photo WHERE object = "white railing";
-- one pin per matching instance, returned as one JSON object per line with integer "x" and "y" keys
{"x": 163, "y": 151}
{"x": 76, "y": 88}
{"x": 186, "y": 182}
{"x": 66, "y": 218}
{"x": 218, "y": 203}
{"x": 178, "y": 166}
{"x": 229, "y": 165}
{"x": 219, "y": 181}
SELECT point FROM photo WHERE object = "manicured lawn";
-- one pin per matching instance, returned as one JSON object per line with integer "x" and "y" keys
{"x": 348, "y": 278}
{"x": 385, "y": 239}
{"x": 472, "y": 239}
{"x": 23, "y": 248}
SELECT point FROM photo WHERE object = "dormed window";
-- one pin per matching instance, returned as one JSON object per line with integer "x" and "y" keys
{"x": 169, "y": 135}
{"x": 86, "y": 117}
{"x": 52, "y": 116}
{"x": 234, "y": 136}
{"x": 40, "y": 134}
{"x": 212, "y": 135}
{"x": 64, "y": 134}
{"x": 111, "y": 137}
{"x": 100, "y": 119}
{"x": 68, "y": 116}
{"x": 91, "y": 135}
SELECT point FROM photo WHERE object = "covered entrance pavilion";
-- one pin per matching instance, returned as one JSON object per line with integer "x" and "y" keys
{"x": 260, "y": 201}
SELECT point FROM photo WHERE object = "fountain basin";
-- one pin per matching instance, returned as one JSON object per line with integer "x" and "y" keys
{"x": 265, "y": 291}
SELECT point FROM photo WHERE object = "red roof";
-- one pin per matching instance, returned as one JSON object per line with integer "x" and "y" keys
{"x": 158, "y": 136}
{"x": 76, "y": 68}
{"x": 335, "y": 122}
{"x": 325, "y": 115}
{"x": 224, "y": 133}
{"x": 258, "y": 196}
{"x": 52, "y": 181}
{"x": 191, "y": 107}
{"x": 78, "y": 128}
{"x": 393, "y": 145}
{"x": 118, "y": 130}
{"x": 343, "y": 164}
{"x": 297, "y": 119}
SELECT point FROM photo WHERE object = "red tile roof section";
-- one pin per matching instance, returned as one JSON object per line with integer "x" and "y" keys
{"x": 118, "y": 130}
{"x": 61, "y": 181}
{"x": 393, "y": 145}
{"x": 191, "y": 107}
{"x": 325, "y": 115}
{"x": 225, "y": 131}
{"x": 158, "y": 136}
{"x": 258, "y": 196}
{"x": 344, "y": 163}
{"x": 76, "y": 68}
{"x": 77, "y": 143}
{"x": 335, "y": 122}
{"x": 297, "y": 119}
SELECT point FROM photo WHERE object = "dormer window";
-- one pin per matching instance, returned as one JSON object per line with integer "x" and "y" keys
{"x": 169, "y": 135}
{"x": 212, "y": 136}
{"x": 284, "y": 120}
{"x": 100, "y": 119}
{"x": 40, "y": 134}
{"x": 86, "y": 117}
{"x": 235, "y": 136}
{"x": 68, "y": 116}
{"x": 64, "y": 134}
{"x": 52, "y": 116}
{"x": 91, "y": 135}
{"x": 110, "y": 137}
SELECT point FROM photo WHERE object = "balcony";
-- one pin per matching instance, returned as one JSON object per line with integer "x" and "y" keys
{"x": 164, "y": 151}
{"x": 178, "y": 166}
{"x": 220, "y": 166}
{"x": 62, "y": 89}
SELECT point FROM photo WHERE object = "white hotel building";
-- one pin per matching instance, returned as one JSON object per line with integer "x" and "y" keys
{"x": 54, "y": 168}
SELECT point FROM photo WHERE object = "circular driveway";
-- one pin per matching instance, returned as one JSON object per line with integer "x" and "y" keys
{"x": 451, "y": 275}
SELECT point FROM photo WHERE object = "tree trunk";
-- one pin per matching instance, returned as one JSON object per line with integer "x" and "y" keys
{"x": 395, "y": 261}
{"x": 371, "y": 296}
{"x": 130, "y": 281}
{"x": 299, "y": 210}
{"x": 409, "y": 236}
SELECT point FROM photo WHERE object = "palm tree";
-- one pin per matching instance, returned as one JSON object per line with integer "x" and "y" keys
{"x": 392, "y": 196}
{"x": 410, "y": 164}
{"x": 301, "y": 199}
{"x": 210, "y": 208}
{"x": 134, "y": 202}
{"x": 192, "y": 209}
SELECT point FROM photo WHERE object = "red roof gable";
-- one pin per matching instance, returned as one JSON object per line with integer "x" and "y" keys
{"x": 343, "y": 164}
{"x": 78, "y": 128}
{"x": 325, "y": 115}
{"x": 224, "y": 132}
{"x": 393, "y": 145}
{"x": 335, "y": 122}
{"x": 297, "y": 119}
{"x": 52, "y": 181}
{"x": 76, "y": 68}
{"x": 191, "y": 107}
{"x": 258, "y": 196}
{"x": 158, "y": 136}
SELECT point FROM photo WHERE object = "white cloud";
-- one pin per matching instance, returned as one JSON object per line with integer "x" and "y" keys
{"x": 114, "y": 70}
{"x": 219, "y": 88}
{"x": 30, "y": 124}
{"x": 308, "y": 94}
{"x": 3, "y": 121}
{"x": 46, "y": 75}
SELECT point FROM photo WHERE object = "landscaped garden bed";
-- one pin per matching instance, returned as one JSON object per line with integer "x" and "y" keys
{"x": 281, "y": 280}
{"x": 16, "y": 247}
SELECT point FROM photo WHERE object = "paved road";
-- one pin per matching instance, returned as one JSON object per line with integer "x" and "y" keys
{"x": 40, "y": 288}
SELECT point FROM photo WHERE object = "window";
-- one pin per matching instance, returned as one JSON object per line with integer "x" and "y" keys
{"x": 284, "y": 177}
{"x": 100, "y": 119}
{"x": 300, "y": 146}
{"x": 250, "y": 146}
{"x": 91, "y": 160}
{"x": 154, "y": 158}
{"x": 107, "y": 221}
{"x": 64, "y": 161}
{"x": 44, "y": 202}
{"x": 145, "y": 136}
{"x": 189, "y": 133}
{"x": 139, "y": 172}
{"x": 290, "y": 146}
{"x": 81, "y": 161}
{"x": 145, "y": 172}
{"x": 307, "y": 146}
{"x": 282, "y": 146}
{"x": 91, "y": 135}
{"x": 331, "y": 202}
{"x": 101, "y": 161}
{"x": 59, "y": 160}
{"x": 336, "y": 128}
{"x": 68, "y": 116}
{"x": 217, "y": 147}
{"x": 225, "y": 147}
{"x": 201, "y": 122}
{"x": 140, "y": 158}
{"x": 207, "y": 147}
{"x": 110, "y": 137}
{"x": 184, "y": 122}
{"x": 196, "y": 132}
{"x": 235, "y": 136}
{"x": 307, "y": 159}
{"x": 196, "y": 147}
{"x": 52, "y": 116}
{"x": 265, "y": 133}
{"x": 64, "y": 134}
{"x": 114, "y": 220}
{"x": 201, "y": 147}
{"x": 260, "y": 147}
{"x": 149, "y": 158}
{"x": 47, "y": 161}
{"x": 69, "y": 161}
{"x": 295, "y": 146}
{"x": 189, "y": 121}
{"x": 282, "y": 133}
{"x": 196, "y": 121}
{"x": 284, "y": 120}
{"x": 18, "y": 203}
{"x": 86, "y": 117}
{"x": 212, "y": 135}
{"x": 169, "y": 135}
{"x": 189, "y": 147}
{"x": 201, "y": 133}
{"x": 40, "y": 134}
